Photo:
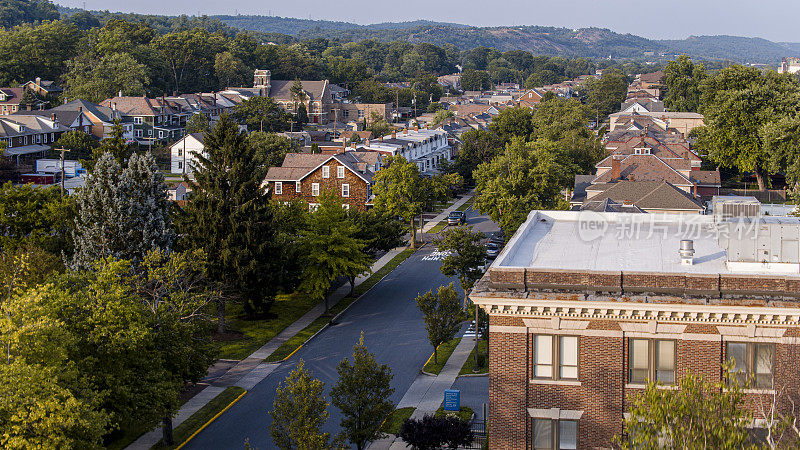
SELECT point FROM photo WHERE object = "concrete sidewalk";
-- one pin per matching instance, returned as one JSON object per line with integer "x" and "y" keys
{"x": 443, "y": 215}
{"x": 426, "y": 393}
{"x": 250, "y": 371}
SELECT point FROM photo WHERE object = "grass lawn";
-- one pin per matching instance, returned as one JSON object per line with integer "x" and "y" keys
{"x": 466, "y": 205}
{"x": 183, "y": 431}
{"x": 445, "y": 350}
{"x": 255, "y": 333}
{"x": 438, "y": 227}
{"x": 483, "y": 366}
{"x": 297, "y": 340}
{"x": 127, "y": 434}
{"x": 464, "y": 414}
{"x": 395, "y": 420}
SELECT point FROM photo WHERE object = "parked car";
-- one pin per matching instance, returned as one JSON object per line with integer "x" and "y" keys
{"x": 493, "y": 249}
{"x": 457, "y": 218}
{"x": 498, "y": 238}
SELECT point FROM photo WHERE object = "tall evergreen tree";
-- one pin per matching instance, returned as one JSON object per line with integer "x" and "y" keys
{"x": 298, "y": 413}
{"x": 230, "y": 218}
{"x": 122, "y": 213}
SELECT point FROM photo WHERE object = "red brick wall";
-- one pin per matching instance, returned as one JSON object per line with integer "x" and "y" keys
{"x": 359, "y": 191}
{"x": 507, "y": 379}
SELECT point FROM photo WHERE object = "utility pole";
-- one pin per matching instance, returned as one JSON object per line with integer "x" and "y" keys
{"x": 62, "y": 150}
{"x": 476, "y": 337}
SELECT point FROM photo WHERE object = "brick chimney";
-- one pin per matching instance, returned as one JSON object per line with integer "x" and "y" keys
{"x": 405, "y": 130}
{"x": 394, "y": 134}
{"x": 416, "y": 128}
{"x": 616, "y": 169}
{"x": 366, "y": 142}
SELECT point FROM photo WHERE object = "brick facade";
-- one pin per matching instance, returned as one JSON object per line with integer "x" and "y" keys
{"x": 601, "y": 392}
{"x": 360, "y": 190}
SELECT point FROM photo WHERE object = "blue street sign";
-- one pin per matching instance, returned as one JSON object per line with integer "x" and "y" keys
{"x": 452, "y": 400}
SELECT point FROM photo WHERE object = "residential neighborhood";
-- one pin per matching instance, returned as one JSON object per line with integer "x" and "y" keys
{"x": 220, "y": 237}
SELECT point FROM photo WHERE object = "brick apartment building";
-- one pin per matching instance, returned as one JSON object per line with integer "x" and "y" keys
{"x": 586, "y": 307}
{"x": 304, "y": 176}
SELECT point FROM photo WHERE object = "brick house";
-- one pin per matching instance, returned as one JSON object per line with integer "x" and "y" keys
{"x": 10, "y": 99}
{"x": 304, "y": 176}
{"x": 585, "y": 308}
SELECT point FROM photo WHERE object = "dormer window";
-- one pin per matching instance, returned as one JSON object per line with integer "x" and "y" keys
{"x": 641, "y": 151}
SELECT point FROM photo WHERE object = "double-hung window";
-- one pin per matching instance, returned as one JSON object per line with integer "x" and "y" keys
{"x": 326, "y": 171}
{"x": 297, "y": 187}
{"x": 315, "y": 189}
{"x": 555, "y": 357}
{"x": 750, "y": 362}
{"x": 549, "y": 434}
{"x": 651, "y": 360}
{"x": 345, "y": 190}
{"x": 340, "y": 172}
{"x": 278, "y": 187}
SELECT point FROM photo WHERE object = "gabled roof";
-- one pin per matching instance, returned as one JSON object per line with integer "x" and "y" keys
{"x": 647, "y": 168}
{"x": 14, "y": 95}
{"x": 608, "y": 205}
{"x": 103, "y": 113}
{"x": 706, "y": 177}
{"x": 297, "y": 166}
{"x": 648, "y": 195}
{"x": 281, "y": 89}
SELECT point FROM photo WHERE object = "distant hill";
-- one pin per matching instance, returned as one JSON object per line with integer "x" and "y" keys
{"x": 588, "y": 42}
{"x": 552, "y": 41}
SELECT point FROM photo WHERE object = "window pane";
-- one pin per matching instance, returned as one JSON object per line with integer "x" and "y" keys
{"x": 665, "y": 361}
{"x": 568, "y": 357}
{"x": 638, "y": 361}
{"x": 737, "y": 353}
{"x": 567, "y": 434}
{"x": 763, "y": 365}
{"x": 543, "y": 354}
{"x": 542, "y": 434}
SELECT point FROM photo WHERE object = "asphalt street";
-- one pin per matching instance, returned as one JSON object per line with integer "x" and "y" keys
{"x": 393, "y": 330}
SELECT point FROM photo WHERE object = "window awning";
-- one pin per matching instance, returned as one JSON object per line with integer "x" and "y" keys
{"x": 26, "y": 149}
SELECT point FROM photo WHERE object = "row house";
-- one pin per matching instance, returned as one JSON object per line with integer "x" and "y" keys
{"x": 586, "y": 309}
{"x": 27, "y": 137}
{"x": 306, "y": 176}
{"x": 102, "y": 118}
{"x": 154, "y": 120}
{"x": 425, "y": 148}
{"x": 684, "y": 122}
{"x": 74, "y": 120}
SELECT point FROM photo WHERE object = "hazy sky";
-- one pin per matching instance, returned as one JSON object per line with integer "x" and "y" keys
{"x": 775, "y": 20}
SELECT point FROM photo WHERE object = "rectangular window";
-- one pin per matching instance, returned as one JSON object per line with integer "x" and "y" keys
{"x": 345, "y": 190}
{"x": 180, "y": 164}
{"x": 551, "y": 434}
{"x": 297, "y": 187}
{"x": 751, "y": 363}
{"x": 278, "y": 187}
{"x": 137, "y": 120}
{"x": 315, "y": 189}
{"x": 138, "y": 133}
{"x": 651, "y": 359}
{"x": 339, "y": 171}
{"x": 326, "y": 172}
{"x": 555, "y": 357}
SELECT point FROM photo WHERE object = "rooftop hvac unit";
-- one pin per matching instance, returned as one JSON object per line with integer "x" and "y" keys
{"x": 765, "y": 240}
{"x": 727, "y": 206}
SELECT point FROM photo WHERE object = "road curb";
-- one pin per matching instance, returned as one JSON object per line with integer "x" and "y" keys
{"x": 211, "y": 420}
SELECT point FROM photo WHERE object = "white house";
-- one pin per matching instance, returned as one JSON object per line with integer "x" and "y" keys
{"x": 183, "y": 154}
{"x": 425, "y": 148}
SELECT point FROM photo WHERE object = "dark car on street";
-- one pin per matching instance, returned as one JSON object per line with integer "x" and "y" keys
{"x": 457, "y": 218}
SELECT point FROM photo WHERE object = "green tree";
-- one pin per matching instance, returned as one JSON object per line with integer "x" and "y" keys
{"x": 475, "y": 80}
{"x": 230, "y": 70}
{"x": 299, "y": 413}
{"x": 36, "y": 216}
{"x": 173, "y": 290}
{"x": 465, "y": 256}
{"x": 262, "y": 114}
{"x": 37, "y": 412}
{"x": 362, "y": 394}
{"x": 477, "y": 146}
{"x": 331, "y": 249}
{"x": 604, "y": 96}
{"x": 231, "y": 220}
{"x": 443, "y": 315}
{"x": 98, "y": 79}
{"x": 302, "y": 115}
{"x": 697, "y": 413}
{"x": 527, "y": 176}
{"x": 198, "y": 123}
{"x": 16, "y": 12}
{"x": 298, "y": 96}
{"x": 513, "y": 122}
{"x": 737, "y": 104}
{"x": 270, "y": 148}
{"x": 398, "y": 190}
{"x": 442, "y": 116}
{"x": 682, "y": 79}
{"x": 378, "y": 229}
{"x": 116, "y": 145}
{"x": 122, "y": 213}
{"x": 79, "y": 144}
